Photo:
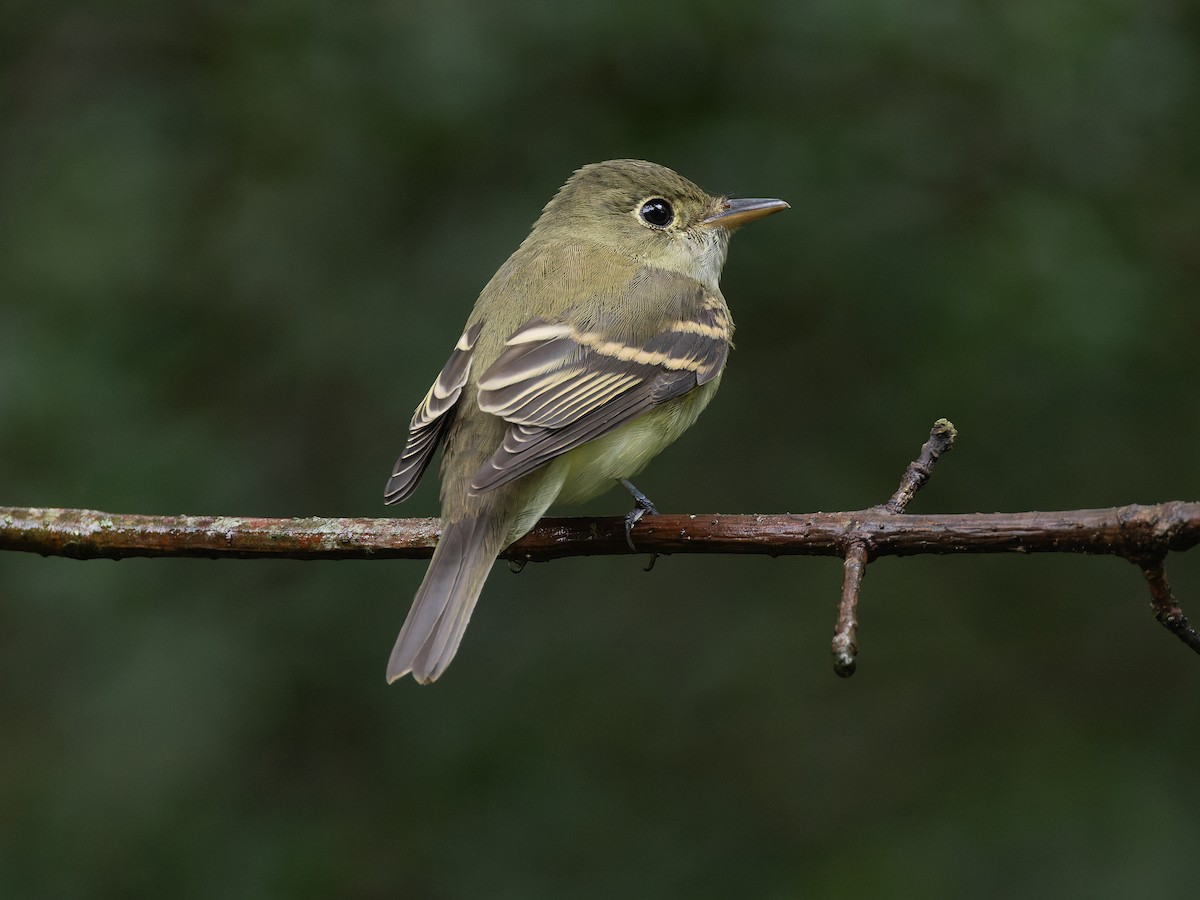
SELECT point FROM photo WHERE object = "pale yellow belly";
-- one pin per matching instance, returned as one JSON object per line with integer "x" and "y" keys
{"x": 596, "y": 466}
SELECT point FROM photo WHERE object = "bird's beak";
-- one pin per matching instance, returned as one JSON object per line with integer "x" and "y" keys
{"x": 734, "y": 213}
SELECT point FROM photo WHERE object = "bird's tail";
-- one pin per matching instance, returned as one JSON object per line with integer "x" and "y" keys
{"x": 444, "y": 602}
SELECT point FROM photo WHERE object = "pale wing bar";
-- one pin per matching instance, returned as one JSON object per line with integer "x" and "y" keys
{"x": 431, "y": 419}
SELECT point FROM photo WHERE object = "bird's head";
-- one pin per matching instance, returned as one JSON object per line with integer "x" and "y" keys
{"x": 651, "y": 213}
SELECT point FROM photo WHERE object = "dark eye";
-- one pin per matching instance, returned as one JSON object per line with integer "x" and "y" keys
{"x": 657, "y": 212}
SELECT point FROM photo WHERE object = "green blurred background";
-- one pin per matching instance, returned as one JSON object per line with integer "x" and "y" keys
{"x": 237, "y": 240}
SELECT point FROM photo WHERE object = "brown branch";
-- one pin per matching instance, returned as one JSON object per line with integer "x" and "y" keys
{"x": 1142, "y": 534}
{"x": 1132, "y": 532}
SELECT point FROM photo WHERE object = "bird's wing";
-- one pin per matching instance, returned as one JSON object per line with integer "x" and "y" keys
{"x": 559, "y": 385}
{"x": 430, "y": 420}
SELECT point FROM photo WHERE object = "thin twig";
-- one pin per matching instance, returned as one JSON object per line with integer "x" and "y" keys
{"x": 845, "y": 650}
{"x": 1162, "y": 601}
{"x": 858, "y": 547}
{"x": 941, "y": 440}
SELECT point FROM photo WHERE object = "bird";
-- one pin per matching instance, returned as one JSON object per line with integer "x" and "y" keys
{"x": 593, "y": 347}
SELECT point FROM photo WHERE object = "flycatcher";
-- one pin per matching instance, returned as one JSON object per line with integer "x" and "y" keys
{"x": 593, "y": 347}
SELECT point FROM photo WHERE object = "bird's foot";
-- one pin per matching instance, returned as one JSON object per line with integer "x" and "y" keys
{"x": 642, "y": 505}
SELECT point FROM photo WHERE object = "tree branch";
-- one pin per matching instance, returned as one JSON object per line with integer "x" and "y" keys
{"x": 1143, "y": 535}
{"x": 1127, "y": 531}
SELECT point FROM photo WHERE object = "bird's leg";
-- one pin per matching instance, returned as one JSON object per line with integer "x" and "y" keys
{"x": 641, "y": 505}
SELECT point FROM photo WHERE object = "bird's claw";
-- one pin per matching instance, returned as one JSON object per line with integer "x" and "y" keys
{"x": 642, "y": 505}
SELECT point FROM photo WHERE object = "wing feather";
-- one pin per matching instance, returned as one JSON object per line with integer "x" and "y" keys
{"x": 431, "y": 419}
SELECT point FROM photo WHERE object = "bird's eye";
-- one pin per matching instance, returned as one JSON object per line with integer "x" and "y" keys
{"x": 657, "y": 212}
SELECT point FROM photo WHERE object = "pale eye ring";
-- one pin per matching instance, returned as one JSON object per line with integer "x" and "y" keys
{"x": 657, "y": 212}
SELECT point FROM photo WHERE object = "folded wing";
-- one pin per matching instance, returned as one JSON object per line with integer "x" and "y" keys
{"x": 559, "y": 385}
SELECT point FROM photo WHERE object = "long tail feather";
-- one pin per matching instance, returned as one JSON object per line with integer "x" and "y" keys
{"x": 444, "y": 602}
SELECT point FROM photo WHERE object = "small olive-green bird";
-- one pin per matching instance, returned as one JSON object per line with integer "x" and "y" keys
{"x": 593, "y": 347}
